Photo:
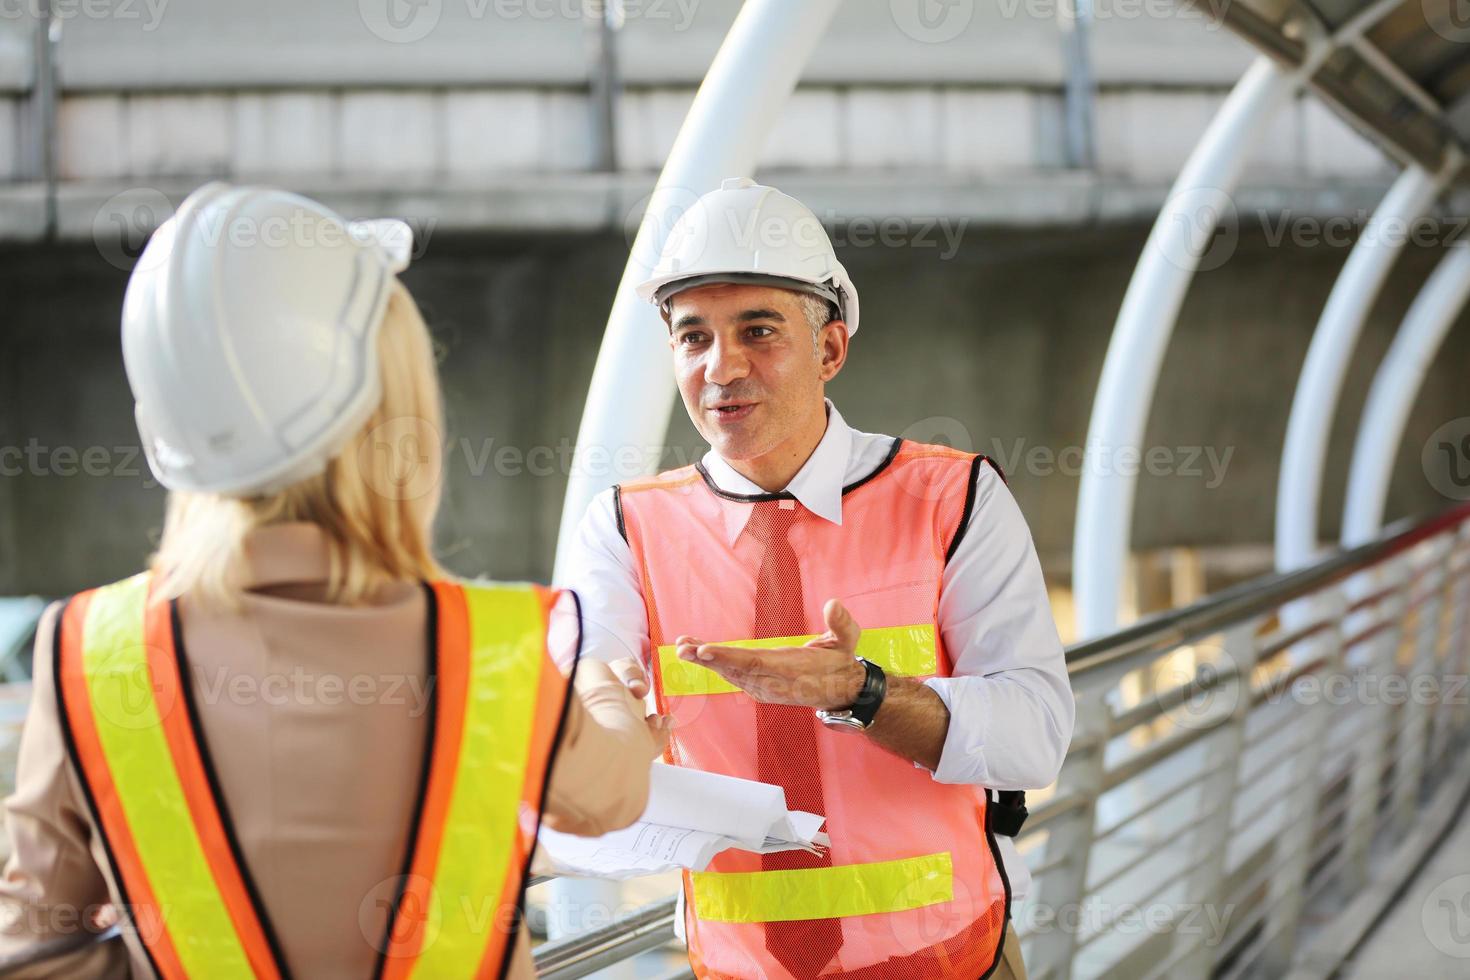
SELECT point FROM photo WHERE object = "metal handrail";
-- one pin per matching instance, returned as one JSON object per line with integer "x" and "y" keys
{"x": 1156, "y": 634}
{"x": 576, "y": 956}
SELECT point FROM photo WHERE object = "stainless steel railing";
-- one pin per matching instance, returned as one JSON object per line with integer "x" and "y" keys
{"x": 1242, "y": 761}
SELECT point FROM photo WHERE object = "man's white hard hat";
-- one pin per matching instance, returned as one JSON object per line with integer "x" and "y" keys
{"x": 249, "y": 331}
{"x": 750, "y": 233}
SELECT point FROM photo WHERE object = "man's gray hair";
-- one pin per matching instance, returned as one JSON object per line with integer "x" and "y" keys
{"x": 818, "y": 311}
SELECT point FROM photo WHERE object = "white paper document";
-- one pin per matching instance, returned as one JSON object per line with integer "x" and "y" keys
{"x": 691, "y": 816}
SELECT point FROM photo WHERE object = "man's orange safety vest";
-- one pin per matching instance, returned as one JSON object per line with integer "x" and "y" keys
{"x": 915, "y": 876}
{"x": 134, "y": 736}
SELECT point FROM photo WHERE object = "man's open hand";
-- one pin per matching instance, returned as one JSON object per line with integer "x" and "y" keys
{"x": 824, "y": 673}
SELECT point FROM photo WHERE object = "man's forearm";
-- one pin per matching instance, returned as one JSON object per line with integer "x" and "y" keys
{"x": 912, "y": 722}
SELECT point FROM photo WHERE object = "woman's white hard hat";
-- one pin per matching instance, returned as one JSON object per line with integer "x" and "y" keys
{"x": 249, "y": 331}
{"x": 751, "y": 233}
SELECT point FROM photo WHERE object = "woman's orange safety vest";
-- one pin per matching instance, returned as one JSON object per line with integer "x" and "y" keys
{"x": 915, "y": 876}
{"x": 133, "y": 732}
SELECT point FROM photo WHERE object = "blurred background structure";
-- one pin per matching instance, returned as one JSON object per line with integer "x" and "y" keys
{"x": 1222, "y": 235}
{"x": 943, "y": 156}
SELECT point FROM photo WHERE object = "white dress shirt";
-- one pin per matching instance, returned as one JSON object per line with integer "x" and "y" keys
{"x": 1010, "y": 703}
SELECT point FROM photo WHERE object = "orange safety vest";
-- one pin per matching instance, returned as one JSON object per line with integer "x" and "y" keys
{"x": 916, "y": 877}
{"x": 134, "y": 737}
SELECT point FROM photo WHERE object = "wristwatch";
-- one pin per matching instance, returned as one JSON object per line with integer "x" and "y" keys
{"x": 859, "y": 716}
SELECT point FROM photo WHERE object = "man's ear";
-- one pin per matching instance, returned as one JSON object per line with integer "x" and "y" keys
{"x": 832, "y": 345}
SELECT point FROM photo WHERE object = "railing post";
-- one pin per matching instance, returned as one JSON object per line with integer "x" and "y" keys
{"x": 1452, "y": 692}
{"x": 1370, "y": 754}
{"x": 604, "y": 21}
{"x": 1455, "y": 678}
{"x": 1217, "y": 799}
{"x": 1415, "y": 728}
{"x": 43, "y": 105}
{"x": 1054, "y": 940}
{"x": 1288, "y": 885}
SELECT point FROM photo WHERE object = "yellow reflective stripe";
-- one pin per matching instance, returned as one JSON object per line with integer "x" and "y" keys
{"x": 507, "y": 650}
{"x": 908, "y": 651}
{"x": 130, "y": 730}
{"x": 824, "y": 893}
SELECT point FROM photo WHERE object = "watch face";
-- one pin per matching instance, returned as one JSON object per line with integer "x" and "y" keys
{"x": 841, "y": 721}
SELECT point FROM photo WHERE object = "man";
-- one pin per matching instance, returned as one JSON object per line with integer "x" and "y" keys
{"x": 752, "y": 582}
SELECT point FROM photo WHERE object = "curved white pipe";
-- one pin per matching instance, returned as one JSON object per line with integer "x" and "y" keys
{"x": 632, "y": 390}
{"x": 1395, "y": 386}
{"x": 1182, "y": 236}
{"x": 1313, "y": 406}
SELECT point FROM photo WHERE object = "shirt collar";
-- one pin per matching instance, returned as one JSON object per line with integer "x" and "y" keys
{"x": 817, "y": 485}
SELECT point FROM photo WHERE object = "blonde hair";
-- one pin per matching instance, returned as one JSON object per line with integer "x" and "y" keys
{"x": 376, "y": 531}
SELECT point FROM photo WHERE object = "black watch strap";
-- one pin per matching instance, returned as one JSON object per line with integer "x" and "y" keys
{"x": 870, "y": 698}
{"x": 1007, "y": 812}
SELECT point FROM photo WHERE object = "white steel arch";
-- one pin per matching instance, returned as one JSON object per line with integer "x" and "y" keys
{"x": 1395, "y": 386}
{"x": 632, "y": 391}
{"x": 1314, "y": 404}
{"x": 1180, "y": 239}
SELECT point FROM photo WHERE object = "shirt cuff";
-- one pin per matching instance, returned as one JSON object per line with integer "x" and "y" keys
{"x": 962, "y": 761}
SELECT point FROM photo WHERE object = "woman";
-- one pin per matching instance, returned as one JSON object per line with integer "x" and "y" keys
{"x": 295, "y": 746}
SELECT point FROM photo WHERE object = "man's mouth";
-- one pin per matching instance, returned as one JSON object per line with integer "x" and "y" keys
{"x": 732, "y": 411}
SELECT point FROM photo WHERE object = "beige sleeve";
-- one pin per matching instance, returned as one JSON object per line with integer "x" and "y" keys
{"x": 599, "y": 777}
{"x": 52, "y": 887}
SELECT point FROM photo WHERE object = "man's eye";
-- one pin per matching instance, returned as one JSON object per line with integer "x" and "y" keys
{"x": 691, "y": 338}
{"x": 761, "y": 331}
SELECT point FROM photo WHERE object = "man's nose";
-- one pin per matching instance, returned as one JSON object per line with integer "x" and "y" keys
{"x": 726, "y": 363}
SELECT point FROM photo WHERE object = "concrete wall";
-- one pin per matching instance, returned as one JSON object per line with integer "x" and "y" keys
{"x": 478, "y": 133}
{"x": 491, "y": 97}
{"x": 999, "y": 344}
{"x": 177, "y": 44}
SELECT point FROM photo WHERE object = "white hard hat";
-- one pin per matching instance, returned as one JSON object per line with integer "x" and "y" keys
{"x": 748, "y": 232}
{"x": 249, "y": 335}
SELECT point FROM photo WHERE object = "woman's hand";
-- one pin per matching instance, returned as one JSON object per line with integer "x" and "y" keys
{"x": 628, "y": 677}
{"x": 630, "y": 672}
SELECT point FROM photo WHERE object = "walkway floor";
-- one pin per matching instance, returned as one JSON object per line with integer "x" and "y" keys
{"x": 1427, "y": 934}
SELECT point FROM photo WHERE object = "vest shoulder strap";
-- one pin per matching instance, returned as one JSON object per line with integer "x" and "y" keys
{"x": 667, "y": 480}
{"x": 132, "y": 733}
{"x": 498, "y": 695}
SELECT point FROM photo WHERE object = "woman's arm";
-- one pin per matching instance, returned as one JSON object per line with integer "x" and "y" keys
{"x": 52, "y": 889}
